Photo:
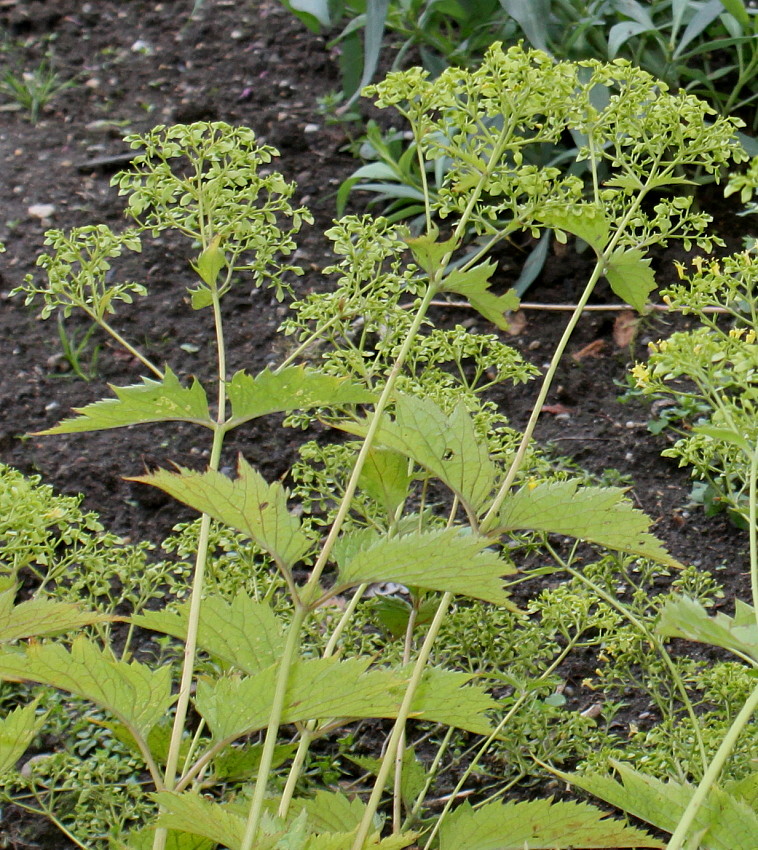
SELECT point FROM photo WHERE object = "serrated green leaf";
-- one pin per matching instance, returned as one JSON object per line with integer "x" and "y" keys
{"x": 144, "y": 839}
{"x": 585, "y": 221}
{"x": 150, "y": 401}
{"x": 443, "y": 559}
{"x": 394, "y": 842}
{"x": 686, "y": 618}
{"x": 473, "y": 284}
{"x": 394, "y": 613}
{"x": 630, "y": 276}
{"x": 330, "y": 811}
{"x": 601, "y": 515}
{"x": 195, "y": 814}
{"x": 745, "y": 789}
{"x": 248, "y": 503}
{"x": 294, "y": 388}
{"x": 192, "y": 813}
{"x": 244, "y": 633}
{"x": 17, "y": 730}
{"x": 40, "y": 617}
{"x": 136, "y": 694}
{"x": 722, "y": 823}
{"x": 538, "y": 825}
{"x": 446, "y": 445}
{"x": 327, "y": 687}
{"x": 428, "y": 252}
{"x": 385, "y": 478}
{"x": 239, "y": 764}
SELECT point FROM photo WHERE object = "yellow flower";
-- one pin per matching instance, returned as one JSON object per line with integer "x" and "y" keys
{"x": 679, "y": 269}
{"x": 736, "y": 333}
{"x": 750, "y": 338}
{"x": 641, "y": 375}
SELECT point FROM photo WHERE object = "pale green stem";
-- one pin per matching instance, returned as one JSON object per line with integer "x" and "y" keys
{"x": 431, "y": 775}
{"x": 308, "y": 733}
{"x": 399, "y": 728}
{"x": 304, "y": 345}
{"x": 424, "y": 182}
{"x": 753, "y": 530}
{"x": 289, "y": 654}
{"x": 198, "y": 584}
{"x": 130, "y": 348}
{"x": 45, "y": 813}
{"x": 352, "y": 484}
{"x": 516, "y": 463}
{"x": 593, "y": 161}
{"x": 547, "y": 381}
{"x": 397, "y": 798}
{"x": 193, "y": 746}
{"x": 678, "y": 838}
{"x": 310, "y": 591}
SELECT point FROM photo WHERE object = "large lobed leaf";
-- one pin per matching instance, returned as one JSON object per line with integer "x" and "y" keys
{"x": 40, "y": 617}
{"x": 244, "y": 633}
{"x": 538, "y": 825}
{"x": 17, "y": 730}
{"x": 443, "y": 559}
{"x": 247, "y": 503}
{"x": 724, "y": 821}
{"x": 444, "y": 444}
{"x": 150, "y": 401}
{"x": 136, "y": 694}
{"x": 686, "y": 618}
{"x": 599, "y": 515}
{"x": 293, "y": 388}
{"x": 226, "y": 825}
{"x": 329, "y": 688}
{"x": 587, "y": 221}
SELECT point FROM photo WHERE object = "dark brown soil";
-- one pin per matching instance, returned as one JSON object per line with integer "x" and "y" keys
{"x": 141, "y": 63}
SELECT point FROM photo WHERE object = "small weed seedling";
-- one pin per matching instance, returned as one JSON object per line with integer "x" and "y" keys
{"x": 34, "y": 89}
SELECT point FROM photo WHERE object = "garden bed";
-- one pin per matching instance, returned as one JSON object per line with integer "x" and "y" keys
{"x": 139, "y": 64}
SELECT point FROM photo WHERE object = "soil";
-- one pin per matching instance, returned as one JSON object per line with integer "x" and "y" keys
{"x": 143, "y": 63}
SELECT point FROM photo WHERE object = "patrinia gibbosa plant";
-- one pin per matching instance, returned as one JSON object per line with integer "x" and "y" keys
{"x": 431, "y": 489}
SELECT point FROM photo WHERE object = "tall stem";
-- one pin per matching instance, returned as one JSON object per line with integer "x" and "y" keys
{"x": 677, "y": 841}
{"x": 547, "y": 381}
{"x": 753, "y": 529}
{"x": 352, "y": 484}
{"x": 272, "y": 732}
{"x": 307, "y": 735}
{"x": 311, "y": 589}
{"x": 398, "y": 729}
{"x": 198, "y": 584}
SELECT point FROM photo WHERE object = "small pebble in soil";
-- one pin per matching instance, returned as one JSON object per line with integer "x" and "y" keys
{"x": 41, "y": 211}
